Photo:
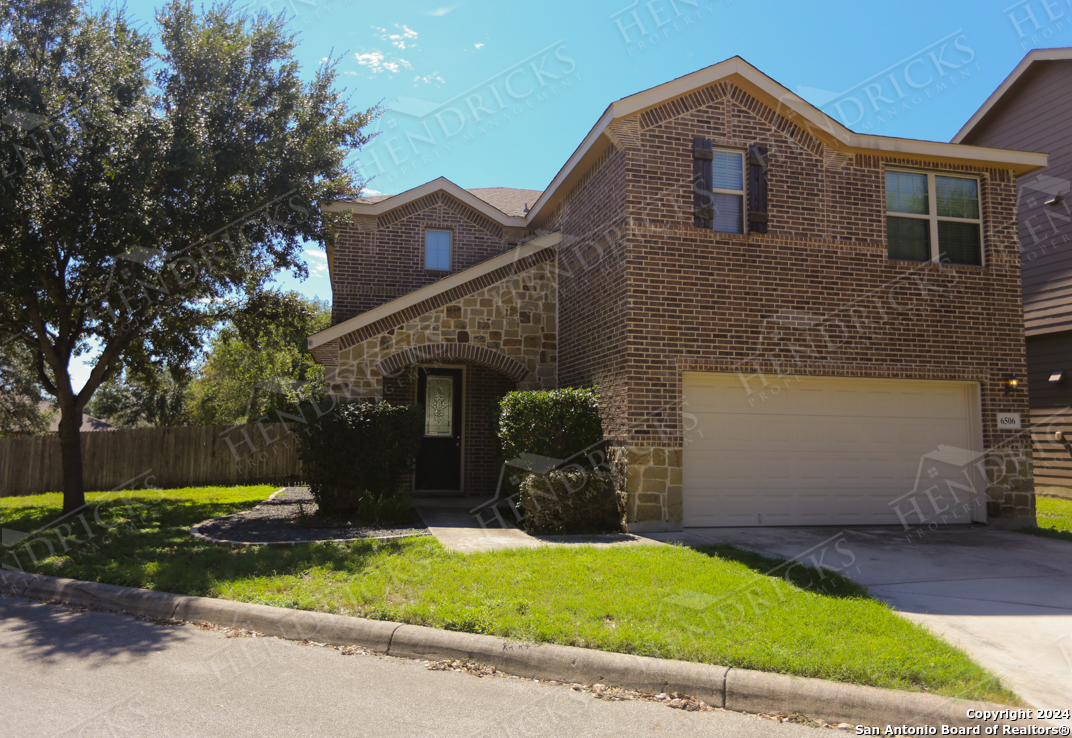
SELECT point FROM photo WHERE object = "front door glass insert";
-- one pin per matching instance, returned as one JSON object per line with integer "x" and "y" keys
{"x": 439, "y": 407}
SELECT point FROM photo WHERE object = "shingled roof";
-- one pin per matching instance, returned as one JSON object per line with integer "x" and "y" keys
{"x": 507, "y": 200}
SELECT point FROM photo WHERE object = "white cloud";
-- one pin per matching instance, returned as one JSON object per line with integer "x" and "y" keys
{"x": 404, "y": 37}
{"x": 399, "y": 39}
{"x": 430, "y": 79}
{"x": 317, "y": 261}
{"x": 377, "y": 62}
{"x": 440, "y": 12}
{"x": 478, "y": 46}
{"x": 370, "y": 191}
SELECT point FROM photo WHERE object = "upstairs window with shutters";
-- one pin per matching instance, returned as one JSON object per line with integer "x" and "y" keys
{"x": 719, "y": 177}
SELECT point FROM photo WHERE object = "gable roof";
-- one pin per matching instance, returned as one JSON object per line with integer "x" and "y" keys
{"x": 458, "y": 279}
{"x": 1010, "y": 86}
{"x": 751, "y": 80}
{"x": 379, "y": 204}
{"x": 507, "y": 200}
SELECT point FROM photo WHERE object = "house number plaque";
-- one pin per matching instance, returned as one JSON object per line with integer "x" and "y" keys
{"x": 1009, "y": 421}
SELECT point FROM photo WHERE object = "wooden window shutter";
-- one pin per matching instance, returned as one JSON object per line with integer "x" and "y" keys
{"x": 703, "y": 202}
{"x": 757, "y": 189}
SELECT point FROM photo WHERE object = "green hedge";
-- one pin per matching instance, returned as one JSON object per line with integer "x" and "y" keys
{"x": 555, "y": 423}
{"x": 359, "y": 450}
{"x": 559, "y": 424}
{"x": 572, "y": 500}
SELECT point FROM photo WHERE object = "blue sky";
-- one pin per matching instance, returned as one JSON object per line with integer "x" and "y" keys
{"x": 499, "y": 94}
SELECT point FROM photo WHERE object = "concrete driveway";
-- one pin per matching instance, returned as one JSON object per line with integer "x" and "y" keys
{"x": 1005, "y": 598}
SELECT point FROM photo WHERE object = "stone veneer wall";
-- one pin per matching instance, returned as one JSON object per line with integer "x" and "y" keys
{"x": 514, "y": 318}
{"x": 651, "y": 477}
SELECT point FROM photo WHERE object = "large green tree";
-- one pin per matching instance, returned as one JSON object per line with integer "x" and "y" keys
{"x": 146, "y": 177}
{"x": 259, "y": 362}
{"x": 154, "y": 399}
{"x": 21, "y": 399}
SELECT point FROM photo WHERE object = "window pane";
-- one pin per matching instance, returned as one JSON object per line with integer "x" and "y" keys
{"x": 437, "y": 250}
{"x": 728, "y": 213}
{"x": 957, "y": 197}
{"x": 727, "y": 171}
{"x": 959, "y": 243}
{"x": 439, "y": 407}
{"x": 906, "y": 193}
{"x": 910, "y": 238}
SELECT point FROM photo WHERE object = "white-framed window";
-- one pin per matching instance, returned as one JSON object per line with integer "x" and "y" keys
{"x": 933, "y": 217}
{"x": 437, "y": 250}
{"x": 727, "y": 190}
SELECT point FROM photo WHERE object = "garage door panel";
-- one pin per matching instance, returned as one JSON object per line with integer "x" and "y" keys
{"x": 781, "y": 469}
{"x": 822, "y": 451}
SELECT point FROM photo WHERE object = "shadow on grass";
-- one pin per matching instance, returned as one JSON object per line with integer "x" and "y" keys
{"x": 808, "y": 578}
{"x": 148, "y": 545}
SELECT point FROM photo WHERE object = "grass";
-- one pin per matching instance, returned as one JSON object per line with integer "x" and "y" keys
{"x": 1054, "y": 518}
{"x": 714, "y": 605}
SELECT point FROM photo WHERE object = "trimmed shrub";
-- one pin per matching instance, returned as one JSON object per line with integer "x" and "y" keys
{"x": 572, "y": 500}
{"x": 359, "y": 450}
{"x": 555, "y": 423}
{"x": 559, "y": 424}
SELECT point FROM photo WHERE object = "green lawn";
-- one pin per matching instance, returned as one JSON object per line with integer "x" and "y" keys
{"x": 714, "y": 606}
{"x": 1054, "y": 518}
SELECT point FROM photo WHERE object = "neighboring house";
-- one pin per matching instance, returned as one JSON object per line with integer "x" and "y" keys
{"x": 782, "y": 317}
{"x": 1031, "y": 110}
{"x": 89, "y": 423}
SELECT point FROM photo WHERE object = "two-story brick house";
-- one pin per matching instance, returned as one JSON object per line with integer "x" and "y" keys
{"x": 787, "y": 322}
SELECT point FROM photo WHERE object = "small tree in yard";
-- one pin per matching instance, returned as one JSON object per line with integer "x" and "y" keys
{"x": 359, "y": 451}
{"x": 142, "y": 185}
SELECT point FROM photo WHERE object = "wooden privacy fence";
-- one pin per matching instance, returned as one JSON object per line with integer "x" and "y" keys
{"x": 262, "y": 453}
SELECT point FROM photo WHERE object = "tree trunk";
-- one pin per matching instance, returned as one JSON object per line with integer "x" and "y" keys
{"x": 74, "y": 493}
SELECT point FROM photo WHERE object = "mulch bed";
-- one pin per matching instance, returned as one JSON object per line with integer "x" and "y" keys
{"x": 279, "y": 520}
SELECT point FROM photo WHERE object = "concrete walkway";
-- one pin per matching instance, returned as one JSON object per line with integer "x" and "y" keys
{"x": 449, "y": 519}
{"x": 1005, "y": 598}
{"x": 457, "y": 527}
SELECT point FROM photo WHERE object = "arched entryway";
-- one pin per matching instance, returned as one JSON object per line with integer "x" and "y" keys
{"x": 457, "y": 386}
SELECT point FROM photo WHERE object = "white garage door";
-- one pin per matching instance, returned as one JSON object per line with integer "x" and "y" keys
{"x": 826, "y": 451}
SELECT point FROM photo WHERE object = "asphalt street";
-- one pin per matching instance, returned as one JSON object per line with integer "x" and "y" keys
{"x": 87, "y": 674}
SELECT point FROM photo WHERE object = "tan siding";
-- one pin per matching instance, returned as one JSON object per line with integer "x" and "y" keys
{"x": 1036, "y": 118}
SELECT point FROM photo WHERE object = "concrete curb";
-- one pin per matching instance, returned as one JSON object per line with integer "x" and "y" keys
{"x": 741, "y": 690}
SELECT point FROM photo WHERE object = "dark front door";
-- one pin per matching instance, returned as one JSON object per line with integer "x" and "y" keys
{"x": 439, "y": 463}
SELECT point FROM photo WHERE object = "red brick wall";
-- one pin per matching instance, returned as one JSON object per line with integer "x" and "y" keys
{"x": 693, "y": 299}
{"x": 378, "y": 259}
{"x": 698, "y": 296}
{"x": 591, "y": 293}
{"x": 481, "y": 464}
